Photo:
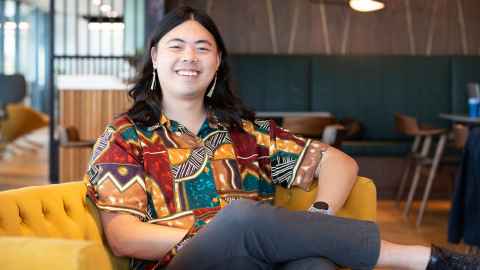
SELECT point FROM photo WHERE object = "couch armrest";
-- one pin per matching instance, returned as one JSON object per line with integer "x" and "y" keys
{"x": 35, "y": 253}
{"x": 360, "y": 204}
{"x": 362, "y": 201}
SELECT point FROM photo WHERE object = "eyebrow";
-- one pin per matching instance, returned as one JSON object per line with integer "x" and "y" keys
{"x": 201, "y": 41}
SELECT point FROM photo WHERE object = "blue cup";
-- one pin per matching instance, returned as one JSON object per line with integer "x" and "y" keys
{"x": 474, "y": 107}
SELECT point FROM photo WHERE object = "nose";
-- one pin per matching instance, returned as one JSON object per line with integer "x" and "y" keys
{"x": 189, "y": 55}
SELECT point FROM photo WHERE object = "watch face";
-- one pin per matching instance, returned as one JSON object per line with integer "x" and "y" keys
{"x": 321, "y": 205}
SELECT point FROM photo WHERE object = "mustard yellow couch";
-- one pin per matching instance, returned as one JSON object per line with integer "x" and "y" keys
{"x": 56, "y": 227}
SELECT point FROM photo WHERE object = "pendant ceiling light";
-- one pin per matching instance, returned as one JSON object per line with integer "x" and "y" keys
{"x": 366, "y": 5}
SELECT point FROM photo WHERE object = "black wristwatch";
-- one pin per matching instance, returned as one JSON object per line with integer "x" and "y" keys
{"x": 320, "y": 207}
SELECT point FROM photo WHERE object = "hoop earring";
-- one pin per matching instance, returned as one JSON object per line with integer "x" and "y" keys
{"x": 210, "y": 92}
{"x": 152, "y": 86}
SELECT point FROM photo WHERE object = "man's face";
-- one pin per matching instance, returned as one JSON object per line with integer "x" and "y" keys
{"x": 186, "y": 59}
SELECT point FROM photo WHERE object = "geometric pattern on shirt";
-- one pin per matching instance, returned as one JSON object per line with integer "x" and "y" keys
{"x": 101, "y": 144}
{"x": 121, "y": 187}
{"x": 122, "y": 176}
{"x": 264, "y": 125}
{"x": 216, "y": 139}
{"x": 285, "y": 166}
{"x": 282, "y": 170}
{"x": 192, "y": 167}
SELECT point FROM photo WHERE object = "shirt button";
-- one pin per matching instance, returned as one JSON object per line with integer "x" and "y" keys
{"x": 206, "y": 170}
{"x": 215, "y": 199}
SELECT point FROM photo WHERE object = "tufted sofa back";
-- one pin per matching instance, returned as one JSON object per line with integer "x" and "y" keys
{"x": 55, "y": 211}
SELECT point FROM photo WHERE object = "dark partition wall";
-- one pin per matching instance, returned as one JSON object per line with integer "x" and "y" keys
{"x": 371, "y": 89}
{"x": 273, "y": 83}
{"x": 464, "y": 70}
{"x": 367, "y": 88}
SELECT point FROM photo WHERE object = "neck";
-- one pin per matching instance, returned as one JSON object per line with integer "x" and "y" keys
{"x": 190, "y": 113}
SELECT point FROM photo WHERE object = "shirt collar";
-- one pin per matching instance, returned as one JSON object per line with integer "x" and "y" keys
{"x": 212, "y": 121}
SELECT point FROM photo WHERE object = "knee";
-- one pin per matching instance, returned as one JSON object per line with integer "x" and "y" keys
{"x": 242, "y": 212}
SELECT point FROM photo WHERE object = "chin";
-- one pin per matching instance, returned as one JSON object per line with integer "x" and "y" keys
{"x": 190, "y": 94}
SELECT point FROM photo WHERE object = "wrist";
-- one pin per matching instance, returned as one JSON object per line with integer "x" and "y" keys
{"x": 320, "y": 207}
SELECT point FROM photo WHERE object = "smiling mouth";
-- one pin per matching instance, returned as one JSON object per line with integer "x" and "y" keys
{"x": 187, "y": 73}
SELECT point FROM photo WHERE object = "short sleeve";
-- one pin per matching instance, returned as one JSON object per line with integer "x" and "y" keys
{"x": 116, "y": 178}
{"x": 293, "y": 159}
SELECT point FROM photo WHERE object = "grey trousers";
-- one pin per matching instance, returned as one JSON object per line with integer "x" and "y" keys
{"x": 255, "y": 235}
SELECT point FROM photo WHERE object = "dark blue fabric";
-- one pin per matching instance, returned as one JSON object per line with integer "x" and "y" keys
{"x": 464, "y": 220}
{"x": 258, "y": 236}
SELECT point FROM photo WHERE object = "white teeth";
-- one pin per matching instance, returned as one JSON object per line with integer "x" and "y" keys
{"x": 187, "y": 73}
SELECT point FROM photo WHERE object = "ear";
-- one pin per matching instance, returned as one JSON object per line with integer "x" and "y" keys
{"x": 219, "y": 60}
{"x": 153, "y": 55}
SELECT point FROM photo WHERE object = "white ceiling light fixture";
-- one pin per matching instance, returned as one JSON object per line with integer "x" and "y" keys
{"x": 105, "y": 8}
{"x": 104, "y": 23}
{"x": 366, "y": 5}
{"x": 23, "y": 26}
{"x": 10, "y": 25}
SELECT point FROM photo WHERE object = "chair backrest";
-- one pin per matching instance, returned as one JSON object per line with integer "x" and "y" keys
{"x": 13, "y": 89}
{"x": 307, "y": 125}
{"x": 21, "y": 120}
{"x": 58, "y": 211}
{"x": 460, "y": 135}
{"x": 406, "y": 125}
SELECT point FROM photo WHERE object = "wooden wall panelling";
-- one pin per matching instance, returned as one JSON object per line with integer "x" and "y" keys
{"x": 89, "y": 111}
{"x": 447, "y": 32}
{"x": 73, "y": 163}
{"x": 471, "y": 11}
{"x": 283, "y": 14}
{"x": 404, "y": 27}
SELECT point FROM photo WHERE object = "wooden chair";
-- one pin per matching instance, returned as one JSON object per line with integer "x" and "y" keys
{"x": 308, "y": 126}
{"x": 70, "y": 138}
{"x": 460, "y": 135}
{"x": 419, "y": 158}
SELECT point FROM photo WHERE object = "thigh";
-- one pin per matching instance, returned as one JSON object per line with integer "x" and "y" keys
{"x": 310, "y": 263}
{"x": 221, "y": 240}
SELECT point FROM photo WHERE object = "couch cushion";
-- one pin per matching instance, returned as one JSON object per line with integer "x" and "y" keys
{"x": 58, "y": 211}
{"x": 34, "y": 253}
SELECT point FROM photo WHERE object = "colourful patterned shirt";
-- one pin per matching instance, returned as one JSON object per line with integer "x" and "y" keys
{"x": 166, "y": 175}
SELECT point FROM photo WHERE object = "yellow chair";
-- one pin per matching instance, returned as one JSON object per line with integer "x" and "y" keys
{"x": 56, "y": 227}
{"x": 21, "y": 120}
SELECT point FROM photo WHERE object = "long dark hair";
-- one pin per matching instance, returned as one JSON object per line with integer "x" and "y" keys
{"x": 225, "y": 105}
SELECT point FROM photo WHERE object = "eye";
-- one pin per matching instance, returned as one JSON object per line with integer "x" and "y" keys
{"x": 203, "y": 49}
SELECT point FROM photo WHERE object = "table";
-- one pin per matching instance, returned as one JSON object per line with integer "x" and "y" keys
{"x": 460, "y": 118}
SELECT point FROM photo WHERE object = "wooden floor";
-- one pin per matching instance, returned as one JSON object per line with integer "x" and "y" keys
{"x": 433, "y": 229}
